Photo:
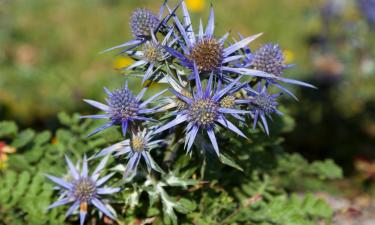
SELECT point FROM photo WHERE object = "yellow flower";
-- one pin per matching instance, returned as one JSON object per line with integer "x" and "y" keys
{"x": 4, "y": 150}
{"x": 121, "y": 62}
{"x": 289, "y": 56}
{"x": 195, "y": 5}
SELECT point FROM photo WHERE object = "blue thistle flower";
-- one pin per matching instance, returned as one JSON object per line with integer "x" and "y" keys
{"x": 204, "y": 111}
{"x": 83, "y": 190}
{"x": 152, "y": 55}
{"x": 367, "y": 7}
{"x": 207, "y": 51}
{"x": 123, "y": 108}
{"x": 262, "y": 104}
{"x": 135, "y": 148}
{"x": 269, "y": 58}
{"x": 143, "y": 24}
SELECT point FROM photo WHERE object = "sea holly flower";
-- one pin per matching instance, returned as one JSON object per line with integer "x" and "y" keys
{"x": 144, "y": 24}
{"x": 269, "y": 58}
{"x": 204, "y": 111}
{"x": 152, "y": 55}
{"x": 262, "y": 104}
{"x": 207, "y": 51}
{"x": 123, "y": 108}
{"x": 138, "y": 146}
{"x": 83, "y": 190}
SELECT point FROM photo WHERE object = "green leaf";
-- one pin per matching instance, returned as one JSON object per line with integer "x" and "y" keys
{"x": 8, "y": 128}
{"x": 65, "y": 119}
{"x": 229, "y": 162}
{"x": 23, "y": 138}
{"x": 326, "y": 169}
{"x": 185, "y": 206}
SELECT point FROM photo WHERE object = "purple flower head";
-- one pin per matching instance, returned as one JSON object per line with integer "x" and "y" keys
{"x": 83, "y": 190}
{"x": 151, "y": 56}
{"x": 143, "y": 22}
{"x": 206, "y": 51}
{"x": 262, "y": 104}
{"x": 367, "y": 7}
{"x": 123, "y": 108}
{"x": 203, "y": 111}
{"x": 270, "y": 59}
{"x": 135, "y": 148}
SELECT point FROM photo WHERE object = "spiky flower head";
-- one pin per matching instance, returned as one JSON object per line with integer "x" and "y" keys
{"x": 270, "y": 59}
{"x": 142, "y": 22}
{"x": 264, "y": 102}
{"x": 228, "y": 101}
{"x": 153, "y": 52}
{"x": 263, "y": 105}
{"x": 204, "y": 111}
{"x": 83, "y": 190}
{"x": 207, "y": 51}
{"x": 138, "y": 146}
{"x": 123, "y": 108}
{"x": 123, "y": 105}
{"x": 207, "y": 54}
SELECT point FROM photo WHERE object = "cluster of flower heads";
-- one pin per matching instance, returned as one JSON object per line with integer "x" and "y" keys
{"x": 214, "y": 84}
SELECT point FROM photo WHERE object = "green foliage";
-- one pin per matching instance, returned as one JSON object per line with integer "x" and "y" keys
{"x": 254, "y": 182}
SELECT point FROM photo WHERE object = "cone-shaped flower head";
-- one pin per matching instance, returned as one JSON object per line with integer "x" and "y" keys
{"x": 208, "y": 54}
{"x": 203, "y": 111}
{"x": 262, "y": 104}
{"x": 150, "y": 56}
{"x": 153, "y": 52}
{"x": 270, "y": 59}
{"x": 142, "y": 22}
{"x": 83, "y": 190}
{"x": 138, "y": 146}
{"x": 123, "y": 108}
{"x": 207, "y": 51}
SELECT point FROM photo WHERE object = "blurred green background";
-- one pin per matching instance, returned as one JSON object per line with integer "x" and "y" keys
{"x": 49, "y": 62}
